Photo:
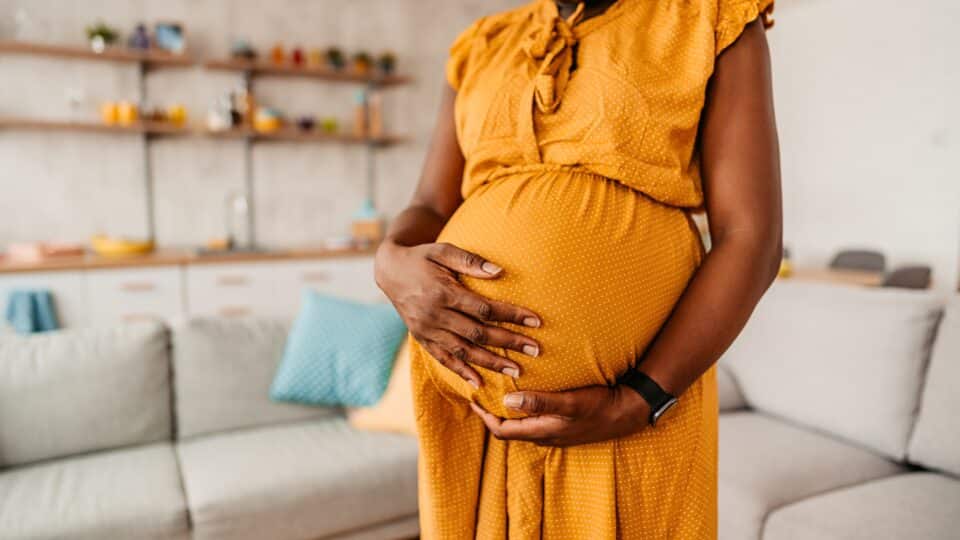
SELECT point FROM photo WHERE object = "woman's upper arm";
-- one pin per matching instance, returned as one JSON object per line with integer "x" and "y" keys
{"x": 439, "y": 186}
{"x": 740, "y": 160}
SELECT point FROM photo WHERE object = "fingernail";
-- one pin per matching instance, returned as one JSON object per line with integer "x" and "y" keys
{"x": 490, "y": 268}
{"x": 473, "y": 383}
{"x": 531, "y": 350}
{"x": 514, "y": 401}
{"x": 532, "y": 322}
{"x": 511, "y": 371}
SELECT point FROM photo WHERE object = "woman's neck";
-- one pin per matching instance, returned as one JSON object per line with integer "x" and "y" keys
{"x": 591, "y": 8}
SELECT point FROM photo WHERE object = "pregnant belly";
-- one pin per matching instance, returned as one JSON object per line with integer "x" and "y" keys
{"x": 603, "y": 266}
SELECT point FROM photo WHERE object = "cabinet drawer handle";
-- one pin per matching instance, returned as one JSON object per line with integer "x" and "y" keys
{"x": 234, "y": 311}
{"x": 137, "y": 317}
{"x": 317, "y": 276}
{"x": 233, "y": 281}
{"x": 138, "y": 286}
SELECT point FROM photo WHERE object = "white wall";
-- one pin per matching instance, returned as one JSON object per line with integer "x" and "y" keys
{"x": 866, "y": 95}
{"x": 864, "y": 88}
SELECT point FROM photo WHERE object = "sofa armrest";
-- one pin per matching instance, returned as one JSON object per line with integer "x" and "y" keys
{"x": 728, "y": 391}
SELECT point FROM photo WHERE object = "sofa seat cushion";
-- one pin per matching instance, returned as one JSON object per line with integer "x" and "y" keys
{"x": 127, "y": 493}
{"x": 918, "y": 505}
{"x": 766, "y": 463}
{"x": 308, "y": 479}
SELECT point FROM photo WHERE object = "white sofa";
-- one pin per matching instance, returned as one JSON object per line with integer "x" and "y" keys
{"x": 837, "y": 422}
{"x": 141, "y": 432}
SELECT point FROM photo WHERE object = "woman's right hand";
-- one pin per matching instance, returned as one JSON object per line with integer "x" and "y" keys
{"x": 449, "y": 320}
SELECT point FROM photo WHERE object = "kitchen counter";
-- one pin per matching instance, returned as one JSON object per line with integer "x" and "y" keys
{"x": 175, "y": 257}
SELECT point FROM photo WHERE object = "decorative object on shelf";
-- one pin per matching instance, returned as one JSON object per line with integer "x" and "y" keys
{"x": 169, "y": 37}
{"x": 296, "y": 56}
{"x": 139, "y": 39}
{"x": 106, "y": 246}
{"x": 360, "y": 113}
{"x": 315, "y": 58}
{"x": 335, "y": 58}
{"x": 127, "y": 113}
{"x": 362, "y": 62}
{"x": 242, "y": 50}
{"x": 237, "y": 221}
{"x": 176, "y": 114}
{"x": 245, "y": 105}
{"x": 786, "y": 267}
{"x": 277, "y": 55}
{"x": 101, "y": 36}
{"x": 306, "y": 123}
{"x": 367, "y": 227}
{"x": 375, "y": 114}
{"x": 41, "y": 251}
{"x": 109, "y": 113}
{"x": 387, "y": 62}
{"x": 330, "y": 125}
{"x": 267, "y": 120}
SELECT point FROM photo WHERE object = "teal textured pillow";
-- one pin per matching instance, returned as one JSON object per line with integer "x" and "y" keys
{"x": 338, "y": 352}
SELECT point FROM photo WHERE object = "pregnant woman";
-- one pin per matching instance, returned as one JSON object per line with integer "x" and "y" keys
{"x": 565, "y": 316}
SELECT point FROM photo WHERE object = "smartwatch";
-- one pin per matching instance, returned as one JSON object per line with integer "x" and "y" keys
{"x": 660, "y": 400}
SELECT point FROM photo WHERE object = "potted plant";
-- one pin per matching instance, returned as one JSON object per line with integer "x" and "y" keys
{"x": 362, "y": 62}
{"x": 387, "y": 62}
{"x": 100, "y": 36}
{"x": 335, "y": 58}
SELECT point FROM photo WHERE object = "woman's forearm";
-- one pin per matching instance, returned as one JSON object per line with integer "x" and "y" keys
{"x": 713, "y": 310}
{"x": 417, "y": 224}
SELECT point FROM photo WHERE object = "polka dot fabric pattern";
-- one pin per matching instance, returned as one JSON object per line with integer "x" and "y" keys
{"x": 581, "y": 172}
{"x": 338, "y": 353}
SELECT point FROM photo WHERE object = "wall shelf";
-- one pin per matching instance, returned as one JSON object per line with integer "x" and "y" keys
{"x": 139, "y": 128}
{"x": 152, "y": 58}
{"x": 295, "y": 135}
{"x": 289, "y": 70}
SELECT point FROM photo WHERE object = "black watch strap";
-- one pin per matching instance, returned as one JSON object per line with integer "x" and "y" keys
{"x": 659, "y": 399}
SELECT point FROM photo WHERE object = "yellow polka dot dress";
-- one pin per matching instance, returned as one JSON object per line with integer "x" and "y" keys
{"x": 581, "y": 170}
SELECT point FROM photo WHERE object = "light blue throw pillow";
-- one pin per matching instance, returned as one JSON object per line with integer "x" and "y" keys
{"x": 338, "y": 352}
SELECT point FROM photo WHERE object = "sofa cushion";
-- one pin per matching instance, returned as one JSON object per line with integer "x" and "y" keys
{"x": 766, "y": 463}
{"x": 128, "y": 493}
{"x": 919, "y": 505}
{"x": 305, "y": 480}
{"x": 222, "y": 374}
{"x": 728, "y": 391}
{"x": 75, "y": 391}
{"x": 845, "y": 360}
{"x": 936, "y": 437}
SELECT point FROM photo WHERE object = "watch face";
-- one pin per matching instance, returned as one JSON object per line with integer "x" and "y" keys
{"x": 663, "y": 410}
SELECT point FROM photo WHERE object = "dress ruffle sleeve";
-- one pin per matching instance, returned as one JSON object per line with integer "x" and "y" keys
{"x": 460, "y": 50}
{"x": 734, "y": 15}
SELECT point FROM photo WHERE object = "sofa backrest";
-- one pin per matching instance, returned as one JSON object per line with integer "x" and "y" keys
{"x": 77, "y": 391}
{"x": 848, "y": 361}
{"x": 936, "y": 437}
{"x": 222, "y": 374}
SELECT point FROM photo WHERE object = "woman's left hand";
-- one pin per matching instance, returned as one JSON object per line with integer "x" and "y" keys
{"x": 585, "y": 415}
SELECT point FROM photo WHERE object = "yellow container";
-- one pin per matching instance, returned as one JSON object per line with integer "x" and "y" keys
{"x": 177, "y": 114}
{"x": 108, "y": 113}
{"x": 127, "y": 113}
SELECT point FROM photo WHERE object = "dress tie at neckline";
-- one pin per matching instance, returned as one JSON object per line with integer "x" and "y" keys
{"x": 550, "y": 47}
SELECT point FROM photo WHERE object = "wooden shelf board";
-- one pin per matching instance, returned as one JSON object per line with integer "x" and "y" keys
{"x": 295, "y": 135}
{"x": 153, "y": 57}
{"x": 148, "y": 128}
{"x": 289, "y": 70}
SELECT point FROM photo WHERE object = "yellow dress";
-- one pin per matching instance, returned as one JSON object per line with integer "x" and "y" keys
{"x": 581, "y": 171}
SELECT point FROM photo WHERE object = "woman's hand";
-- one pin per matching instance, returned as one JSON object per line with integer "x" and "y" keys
{"x": 586, "y": 415}
{"x": 449, "y": 320}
